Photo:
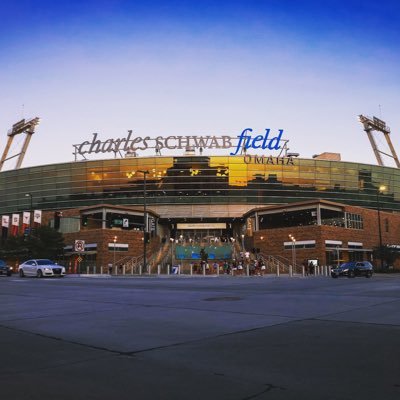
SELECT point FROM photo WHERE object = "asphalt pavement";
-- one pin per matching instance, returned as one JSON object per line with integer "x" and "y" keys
{"x": 180, "y": 337}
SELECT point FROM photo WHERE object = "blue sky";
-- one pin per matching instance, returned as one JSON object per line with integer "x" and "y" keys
{"x": 200, "y": 67}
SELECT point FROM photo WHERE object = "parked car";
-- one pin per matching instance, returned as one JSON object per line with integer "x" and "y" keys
{"x": 5, "y": 269}
{"x": 354, "y": 268}
{"x": 41, "y": 268}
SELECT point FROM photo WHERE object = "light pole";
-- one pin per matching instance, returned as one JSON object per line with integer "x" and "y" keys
{"x": 30, "y": 211}
{"x": 293, "y": 239}
{"x": 145, "y": 218}
{"x": 172, "y": 240}
{"x": 378, "y": 192}
{"x": 337, "y": 255}
{"x": 115, "y": 241}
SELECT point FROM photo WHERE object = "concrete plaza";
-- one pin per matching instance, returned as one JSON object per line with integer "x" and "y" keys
{"x": 181, "y": 337}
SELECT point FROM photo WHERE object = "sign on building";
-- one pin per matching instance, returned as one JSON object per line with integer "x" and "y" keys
{"x": 79, "y": 246}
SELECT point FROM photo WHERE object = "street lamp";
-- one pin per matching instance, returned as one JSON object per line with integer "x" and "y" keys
{"x": 172, "y": 240}
{"x": 115, "y": 241}
{"x": 145, "y": 218}
{"x": 293, "y": 239}
{"x": 30, "y": 211}
{"x": 337, "y": 255}
{"x": 378, "y": 192}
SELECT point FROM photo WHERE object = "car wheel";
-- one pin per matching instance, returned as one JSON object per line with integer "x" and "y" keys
{"x": 8, "y": 273}
{"x": 368, "y": 274}
{"x": 334, "y": 276}
{"x": 39, "y": 273}
{"x": 21, "y": 273}
{"x": 351, "y": 274}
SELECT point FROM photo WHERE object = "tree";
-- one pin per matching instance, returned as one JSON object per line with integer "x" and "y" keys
{"x": 44, "y": 242}
{"x": 389, "y": 255}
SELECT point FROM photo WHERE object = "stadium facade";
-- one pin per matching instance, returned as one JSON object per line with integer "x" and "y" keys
{"x": 335, "y": 210}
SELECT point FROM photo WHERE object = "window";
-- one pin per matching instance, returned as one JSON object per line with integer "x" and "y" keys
{"x": 332, "y": 217}
{"x": 118, "y": 247}
{"x": 355, "y": 245}
{"x": 333, "y": 244}
{"x": 286, "y": 219}
{"x": 301, "y": 244}
{"x": 354, "y": 221}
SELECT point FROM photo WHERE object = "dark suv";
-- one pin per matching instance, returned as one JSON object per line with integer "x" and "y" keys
{"x": 352, "y": 269}
{"x": 5, "y": 269}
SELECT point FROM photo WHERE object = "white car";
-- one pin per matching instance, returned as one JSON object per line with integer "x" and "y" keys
{"x": 41, "y": 268}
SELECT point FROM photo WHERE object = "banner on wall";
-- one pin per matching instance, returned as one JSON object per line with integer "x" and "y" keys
{"x": 37, "y": 216}
{"x": 14, "y": 224}
{"x": 5, "y": 221}
{"x": 26, "y": 218}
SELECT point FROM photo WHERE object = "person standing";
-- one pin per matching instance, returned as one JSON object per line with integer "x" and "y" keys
{"x": 306, "y": 268}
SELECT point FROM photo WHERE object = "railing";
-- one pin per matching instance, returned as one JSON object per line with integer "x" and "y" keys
{"x": 274, "y": 265}
{"x": 296, "y": 267}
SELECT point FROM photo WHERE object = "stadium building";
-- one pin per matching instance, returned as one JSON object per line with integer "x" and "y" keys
{"x": 171, "y": 208}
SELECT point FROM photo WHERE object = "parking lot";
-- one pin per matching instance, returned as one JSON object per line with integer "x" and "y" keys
{"x": 179, "y": 337}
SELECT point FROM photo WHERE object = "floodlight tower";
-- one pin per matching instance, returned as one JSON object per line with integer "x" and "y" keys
{"x": 376, "y": 124}
{"x": 27, "y": 127}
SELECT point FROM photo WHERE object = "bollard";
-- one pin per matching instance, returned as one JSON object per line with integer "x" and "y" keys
{"x": 123, "y": 270}
{"x": 179, "y": 269}
{"x": 277, "y": 270}
{"x": 158, "y": 269}
{"x": 116, "y": 270}
{"x": 94, "y": 269}
{"x": 303, "y": 272}
{"x": 168, "y": 269}
{"x": 101, "y": 270}
{"x": 329, "y": 270}
{"x": 290, "y": 270}
{"x": 149, "y": 269}
{"x": 247, "y": 270}
{"x": 204, "y": 269}
{"x": 218, "y": 270}
{"x": 140, "y": 269}
{"x": 191, "y": 269}
{"x": 87, "y": 270}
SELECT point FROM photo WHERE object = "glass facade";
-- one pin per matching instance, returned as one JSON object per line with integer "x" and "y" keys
{"x": 197, "y": 180}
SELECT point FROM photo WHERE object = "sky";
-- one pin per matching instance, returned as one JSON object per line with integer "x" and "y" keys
{"x": 203, "y": 67}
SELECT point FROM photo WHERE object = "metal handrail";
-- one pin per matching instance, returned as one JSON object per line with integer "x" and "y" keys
{"x": 274, "y": 264}
{"x": 287, "y": 261}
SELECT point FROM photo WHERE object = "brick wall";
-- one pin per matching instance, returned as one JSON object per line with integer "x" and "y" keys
{"x": 273, "y": 239}
{"x": 103, "y": 237}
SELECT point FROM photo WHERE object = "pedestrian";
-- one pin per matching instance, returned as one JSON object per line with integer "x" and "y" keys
{"x": 306, "y": 268}
{"x": 240, "y": 268}
{"x": 110, "y": 268}
{"x": 263, "y": 268}
{"x": 311, "y": 268}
